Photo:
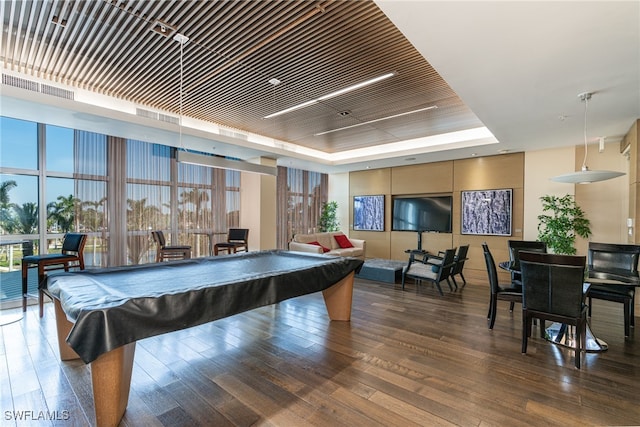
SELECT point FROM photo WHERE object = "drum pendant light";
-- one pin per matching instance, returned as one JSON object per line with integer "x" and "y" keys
{"x": 585, "y": 175}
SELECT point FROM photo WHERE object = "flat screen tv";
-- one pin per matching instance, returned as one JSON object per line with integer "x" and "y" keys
{"x": 422, "y": 213}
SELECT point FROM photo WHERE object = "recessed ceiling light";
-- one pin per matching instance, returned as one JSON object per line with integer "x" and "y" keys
{"x": 59, "y": 21}
{"x": 162, "y": 28}
{"x": 274, "y": 81}
{"x": 376, "y": 120}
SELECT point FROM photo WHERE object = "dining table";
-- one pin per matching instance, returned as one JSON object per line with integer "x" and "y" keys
{"x": 564, "y": 335}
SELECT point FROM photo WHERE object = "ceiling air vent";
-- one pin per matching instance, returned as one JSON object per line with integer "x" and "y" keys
{"x": 168, "y": 119}
{"x": 233, "y": 134}
{"x": 20, "y": 83}
{"x": 56, "y": 91}
{"x": 141, "y": 112}
{"x": 146, "y": 113}
{"x": 37, "y": 87}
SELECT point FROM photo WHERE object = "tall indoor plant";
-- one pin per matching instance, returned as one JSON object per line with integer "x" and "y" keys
{"x": 565, "y": 221}
{"x": 328, "y": 217}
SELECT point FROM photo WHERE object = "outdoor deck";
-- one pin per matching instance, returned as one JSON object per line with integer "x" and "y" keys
{"x": 11, "y": 286}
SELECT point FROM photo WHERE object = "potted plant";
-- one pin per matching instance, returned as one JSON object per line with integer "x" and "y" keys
{"x": 328, "y": 219}
{"x": 565, "y": 221}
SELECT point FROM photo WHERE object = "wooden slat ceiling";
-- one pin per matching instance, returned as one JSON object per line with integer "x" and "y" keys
{"x": 116, "y": 48}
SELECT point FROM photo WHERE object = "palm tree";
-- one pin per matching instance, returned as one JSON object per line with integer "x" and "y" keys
{"x": 5, "y": 187}
{"x": 94, "y": 219}
{"x": 63, "y": 212}
{"x": 139, "y": 217}
{"x": 27, "y": 218}
{"x": 6, "y": 222}
{"x": 197, "y": 198}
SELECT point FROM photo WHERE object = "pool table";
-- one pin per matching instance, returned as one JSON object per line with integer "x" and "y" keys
{"x": 100, "y": 314}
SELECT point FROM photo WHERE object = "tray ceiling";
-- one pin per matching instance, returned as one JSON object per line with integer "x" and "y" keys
{"x": 126, "y": 50}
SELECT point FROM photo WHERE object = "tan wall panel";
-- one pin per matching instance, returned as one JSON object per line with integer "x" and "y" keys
{"x": 370, "y": 182}
{"x": 486, "y": 173}
{"x": 406, "y": 240}
{"x": 632, "y": 139}
{"x": 482, "y": 173}
{"x": 606, "y": 202}
{"x": 421, "y": 179}
{"x": 400, "y": 242}
{"x": 377, "y": 243}
{"x": 633, "y": 209}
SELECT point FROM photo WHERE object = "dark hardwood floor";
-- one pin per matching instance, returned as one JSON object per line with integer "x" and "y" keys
{"x": 406, "y": 358}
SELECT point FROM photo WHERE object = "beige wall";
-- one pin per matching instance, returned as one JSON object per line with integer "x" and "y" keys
{"x": 606, "y": 203}
{"x": 258, "y": 192}
{"x": 339, "y": 192}
{"x": 539, "y": 167}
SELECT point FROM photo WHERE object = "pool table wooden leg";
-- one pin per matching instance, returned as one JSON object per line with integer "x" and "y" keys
{"x": 111, "y": 378}
{"x": 110, "y": 373}
{"x": 63, "y": 325}
{"x": 338, "y": 299}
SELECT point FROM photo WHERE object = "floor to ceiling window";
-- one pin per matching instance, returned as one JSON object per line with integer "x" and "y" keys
{"x": 55, "y": 180}
{"x": 300, "y": 197}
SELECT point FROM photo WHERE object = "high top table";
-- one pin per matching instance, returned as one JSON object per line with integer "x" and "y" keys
{"x": 100, "y": 314}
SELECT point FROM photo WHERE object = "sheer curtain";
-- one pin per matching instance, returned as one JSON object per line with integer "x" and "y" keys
{"x": 300, "y": 197}
{"x": 208, "y": 202}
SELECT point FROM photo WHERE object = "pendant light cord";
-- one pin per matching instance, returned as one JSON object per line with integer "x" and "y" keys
{"x": 180, "y": 98}
{"x": 586, "y": 104}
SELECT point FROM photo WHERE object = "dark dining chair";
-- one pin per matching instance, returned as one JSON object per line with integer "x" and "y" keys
{"x": 166, "y": 252}
{"x": 515, "y": 246}
{"x": 619, "y": 260}
{"x": 434, "y": 269}
{"x": 237, "y": 240}
{"x": 499, "y": 292}
{"x": 71, "y": 255}
{"x": 553, "y": 289}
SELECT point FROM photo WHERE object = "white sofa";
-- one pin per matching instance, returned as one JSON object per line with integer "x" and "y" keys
{"x": 302, "y": 243}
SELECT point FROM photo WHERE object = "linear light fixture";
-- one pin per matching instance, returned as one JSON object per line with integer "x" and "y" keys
{"x": 222, "y": 163}
{"x": 376, "y": 120}
{"x": 332, "y": 95}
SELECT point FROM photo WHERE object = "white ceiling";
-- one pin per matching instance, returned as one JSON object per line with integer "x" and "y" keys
{"x": 519, "y": 66}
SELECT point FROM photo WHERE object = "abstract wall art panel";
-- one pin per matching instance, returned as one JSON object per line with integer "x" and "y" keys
{"x": 487, "y": 212}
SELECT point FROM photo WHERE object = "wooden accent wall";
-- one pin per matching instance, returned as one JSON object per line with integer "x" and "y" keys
{"x": 487, "y": 173}
{"x": 372, "y": 183}
{"x": 448, "y": 177}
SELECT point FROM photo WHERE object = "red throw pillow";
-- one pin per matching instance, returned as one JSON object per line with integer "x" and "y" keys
{"x": 318, "y": 244}
{"x": 343, "y": 241}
